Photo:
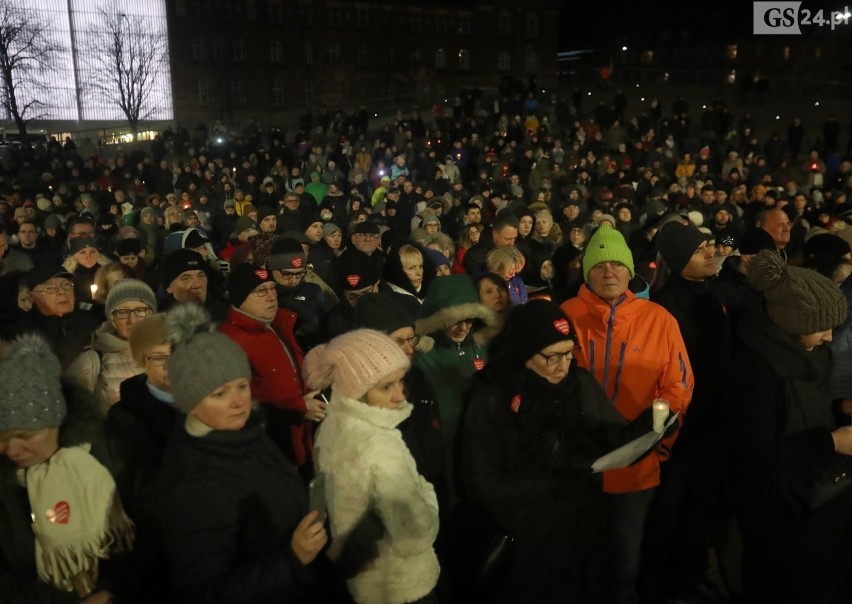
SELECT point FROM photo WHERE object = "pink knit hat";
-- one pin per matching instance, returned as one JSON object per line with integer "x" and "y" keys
{"x": 353, "y": 362}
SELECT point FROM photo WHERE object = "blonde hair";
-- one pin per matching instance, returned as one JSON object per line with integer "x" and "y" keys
{"x": 410, "y": 256}
{"x": 101, "y": 279}
{"x": 503, "y": 259}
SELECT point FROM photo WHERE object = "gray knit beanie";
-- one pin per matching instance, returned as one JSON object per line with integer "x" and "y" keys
{"x": 202, "y": 359}
{"x": 130, "y": 289}
{"x": 29, "y": 380}
{"x": 798, "y": 300}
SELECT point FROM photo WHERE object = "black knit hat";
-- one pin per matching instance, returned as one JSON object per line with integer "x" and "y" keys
{"x": 382, "y": 313}
{"x": 180, "y": 261}
{"x": 533, "y": 326}
{"x": 356, "y": 270}
{"x": 286, "y": 253}
{"x": 127, "y": 246}
{"x": 754, "y": 240}
{"x": 798, "y": 300}
{"x": 677, "y": 243}
{"x": 242, "y": 280}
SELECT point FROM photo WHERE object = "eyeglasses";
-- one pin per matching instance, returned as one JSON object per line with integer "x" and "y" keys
{"x": 468, "y": 321}
{"x": 291, "y": 276}
{"x": 262, "y": 292}
{"x": 124, "y": 313}
{"x": 412, "y": 341}
{"x": 555, "y": 359}
{"x": 52, "y": 290}
{"x": 157, "y": 359}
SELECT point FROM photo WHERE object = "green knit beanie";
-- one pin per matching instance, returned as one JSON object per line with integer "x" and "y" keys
{"x": 607, "y": 245}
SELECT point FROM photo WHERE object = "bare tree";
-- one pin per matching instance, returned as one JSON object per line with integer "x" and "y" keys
{"x": 27, "y": 57}
{"x": 125, "y": 57}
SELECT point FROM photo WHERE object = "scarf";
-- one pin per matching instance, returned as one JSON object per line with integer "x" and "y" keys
{"x": 77, "y": 518}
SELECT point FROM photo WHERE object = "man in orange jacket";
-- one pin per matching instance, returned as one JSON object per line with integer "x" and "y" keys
{"x": 634, "y": 348}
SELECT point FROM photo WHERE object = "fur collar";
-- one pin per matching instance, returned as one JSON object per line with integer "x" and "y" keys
{"x": 449, "y": 316}
{"x": 377, "y": 416}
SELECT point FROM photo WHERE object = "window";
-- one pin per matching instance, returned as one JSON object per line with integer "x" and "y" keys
{"x": 440, "y": 59}
{"x": 309, "y": 54}
{"x": 531, "y": 61}
{"x": 464, "y": 24}
{"x": 504, "y": 60}
{"x": 416, "y": 56}
{"x": 504, "y": 24}
{"x": 278, "y": 91}
{"x": 219, "y": 48}
{"x": 361, "y": 57}
{"x": 199, "y": 48}
{"x": 532, "y": 25}
{"x": 440, "y": 22}
{"x": 309, "y": 91}
{"x": 786, "y": 53}
{"x": 731, "y": 51}
{"x": 205, "y": 86}
{"x": 276, "y": 51}
{"x": 239, "y": 50}
{"x": 275, "y": 11}
{"x": 415, "y": 20}
{"x": 304, "y": 12}
{"x": 362, "y": 17}
{"x": 334, "y": 51}
{"x": 238, "y": 92}
{"x": 334, "y": 15}
{"x": 647, "y": 57}
{"x": 464, "y": 60}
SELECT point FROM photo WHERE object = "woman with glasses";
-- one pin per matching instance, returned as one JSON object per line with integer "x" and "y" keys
{"x": 533, "y": 427}
{"x": 128, "y": 302}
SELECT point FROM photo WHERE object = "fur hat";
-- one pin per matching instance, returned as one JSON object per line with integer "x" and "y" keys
{"x": 798, "y": 300}
{"x": 128, "y": 246}
{"x": 607, "y": 245}
{"x": 148, "y": 333}
{"x": 677, "y": 243}
{"x": 129, "y": 289}
{"x": 754, "y": 240}
{"x": 353, "y": 362}
{"x": 449, "y": 300}
{"x": 202, "y": 359}
{"x": 29, "y": 380}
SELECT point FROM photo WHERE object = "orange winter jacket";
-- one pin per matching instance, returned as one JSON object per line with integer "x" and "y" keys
{"x": 635, "y": 350}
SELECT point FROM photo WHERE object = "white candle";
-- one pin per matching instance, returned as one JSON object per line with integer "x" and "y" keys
{"x": 94, "y": 289}
{"x": 660, "y": 414}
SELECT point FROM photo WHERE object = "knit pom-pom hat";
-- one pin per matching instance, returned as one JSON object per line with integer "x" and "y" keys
{"x": 353, "y": 362}
{"x": 29, "y": 380}
{"x": 202, "y": 359}
{"x": 798, "y": 300}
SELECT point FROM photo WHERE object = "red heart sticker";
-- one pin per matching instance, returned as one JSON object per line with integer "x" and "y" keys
{"x": 516, "y": 403}
{"x": 262, "y": 274}
{"x": 60, "y": 513}
{"x": 478, "y": 363}
{"x": 562, "y": 326}
{"x": 296, "y": 262}
{"x": 353, "y": 280}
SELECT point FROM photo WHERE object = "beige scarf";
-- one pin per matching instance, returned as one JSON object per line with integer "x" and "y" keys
{"x": 77, "y": 518}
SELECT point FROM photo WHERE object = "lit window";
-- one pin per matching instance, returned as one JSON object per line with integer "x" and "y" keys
{"x": 731, "y": 51}
{"x": 278, "y": 94}
{"x": 504, "y": 60}
{"x": 531, "y": 61}
{"x": 440, "y": 59}
{"x": 440, "y": 22}
{"x": 532, "y": 25}
{"x": 464, "y": 60}
{"x": 239, "y": 50}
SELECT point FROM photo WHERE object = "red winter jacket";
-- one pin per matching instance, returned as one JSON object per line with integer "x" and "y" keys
{"x": 276, "y": 363}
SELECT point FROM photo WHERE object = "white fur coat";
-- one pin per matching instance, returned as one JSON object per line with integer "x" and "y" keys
{"x": 367, "y": 465}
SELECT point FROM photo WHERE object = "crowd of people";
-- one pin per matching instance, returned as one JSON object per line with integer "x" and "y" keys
{"x": 380, "y": 366}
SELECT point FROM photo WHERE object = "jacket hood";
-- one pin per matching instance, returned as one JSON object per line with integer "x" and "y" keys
{"x": 107, "y": 340}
